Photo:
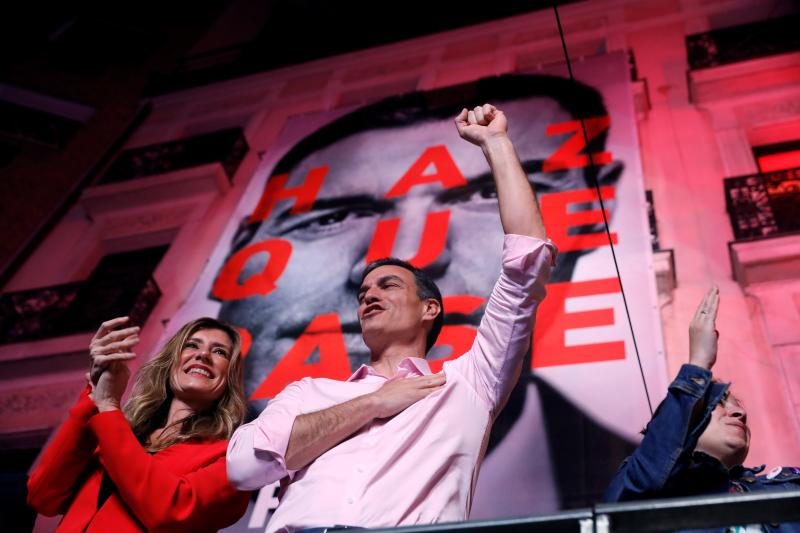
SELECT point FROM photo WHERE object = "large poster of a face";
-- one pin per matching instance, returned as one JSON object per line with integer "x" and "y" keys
{"x": 343, "y": 188}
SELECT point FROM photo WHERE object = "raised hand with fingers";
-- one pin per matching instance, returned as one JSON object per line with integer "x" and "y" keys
{"x": 110, "y": 348}
{"x": 481, "y": 124}
{"x": 487, "y": 127}
{"x": 703, "y": 334}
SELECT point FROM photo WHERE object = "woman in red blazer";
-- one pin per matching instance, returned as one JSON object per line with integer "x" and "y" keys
{"x": 158, "y": 464}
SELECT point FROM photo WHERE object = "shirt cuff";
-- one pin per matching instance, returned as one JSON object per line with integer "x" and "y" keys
{"x": 272, "y": 433}
{"x": 522, "y": 254}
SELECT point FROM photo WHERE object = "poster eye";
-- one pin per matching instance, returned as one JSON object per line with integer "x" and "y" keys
{"x": 488, "y": 192}
{"x": 332, "y": 218}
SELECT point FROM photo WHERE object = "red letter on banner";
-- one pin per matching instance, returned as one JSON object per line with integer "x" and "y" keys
{"x": 459, "y": 338}
{"x": 552, "y": 322}
{"x": 304, "y": 195}
{"x": 567, "y": 155}
{"x": 227, "y": 285}
{"x": 324, "y": 333}
{"x": 446, "y": 173}
{"x": 247, "y": 341}
{"x": 559, "y": 219}
{"x": 431, "y": 244}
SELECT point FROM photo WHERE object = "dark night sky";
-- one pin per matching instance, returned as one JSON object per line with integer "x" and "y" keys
{"x": 295, "y": 31}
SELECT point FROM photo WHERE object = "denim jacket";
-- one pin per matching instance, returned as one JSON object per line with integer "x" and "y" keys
{"x": 666, "y": 465}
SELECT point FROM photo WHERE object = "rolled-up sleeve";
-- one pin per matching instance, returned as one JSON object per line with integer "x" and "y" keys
{"x": 257, "y": 451}
{"x": 493, "y": 363}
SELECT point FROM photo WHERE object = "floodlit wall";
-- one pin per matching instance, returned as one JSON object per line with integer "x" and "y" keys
{"x": 695, "y": 128}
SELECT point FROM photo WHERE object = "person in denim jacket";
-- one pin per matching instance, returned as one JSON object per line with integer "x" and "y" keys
{"x": 698, "y": 437}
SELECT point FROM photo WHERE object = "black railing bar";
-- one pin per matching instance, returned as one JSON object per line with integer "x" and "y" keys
{"x": 642, "y": 516}
{"x": 556, "y": 523}
{"x": 702, "y": 511}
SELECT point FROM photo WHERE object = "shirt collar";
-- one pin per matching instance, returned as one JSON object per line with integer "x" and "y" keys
{"x": 412, "y": 365}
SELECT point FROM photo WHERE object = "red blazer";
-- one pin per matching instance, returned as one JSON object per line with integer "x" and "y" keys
{"x": 181, "y": 488}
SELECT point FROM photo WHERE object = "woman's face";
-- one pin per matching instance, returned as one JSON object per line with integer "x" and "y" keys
{"x": 200, "y": 375}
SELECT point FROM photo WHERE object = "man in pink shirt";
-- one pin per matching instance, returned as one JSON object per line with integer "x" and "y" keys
{"x": 396, "y": 444}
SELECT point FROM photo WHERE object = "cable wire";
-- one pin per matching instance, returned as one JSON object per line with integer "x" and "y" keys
{"x": 603, "y": 210}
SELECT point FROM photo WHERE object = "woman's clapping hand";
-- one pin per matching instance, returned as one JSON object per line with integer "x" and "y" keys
{"x": 110, "y": 350}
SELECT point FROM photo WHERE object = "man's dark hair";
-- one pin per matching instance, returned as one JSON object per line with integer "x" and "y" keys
{"x": 579, "y": 100}
{"x": 426, "y": 288}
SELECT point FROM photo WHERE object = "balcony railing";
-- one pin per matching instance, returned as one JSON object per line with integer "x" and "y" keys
{"x": 640, "y": 517}
{"x": 72, "y": 308}
{"x": 762, "y": 205}
{"x": 740, "y": 43}
{"x": 227, "y": 147}
{"x": 32, "y": 125}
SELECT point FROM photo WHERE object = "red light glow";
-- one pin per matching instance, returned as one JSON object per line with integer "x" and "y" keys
{"x": 780, "y": 161}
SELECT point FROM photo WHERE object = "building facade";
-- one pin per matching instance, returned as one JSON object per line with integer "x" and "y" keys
{"x": 717, "y": 96}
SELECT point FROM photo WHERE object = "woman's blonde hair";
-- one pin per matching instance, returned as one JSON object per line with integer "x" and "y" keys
{"x": 152, "y": 395}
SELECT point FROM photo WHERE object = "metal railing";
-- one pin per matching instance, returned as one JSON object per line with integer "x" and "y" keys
{"x": 71, "y": 308}
{"x": 227, "y": 147}
{"x": 698, "y": 512}
{"x": 643, "y": 516}
{"x": 762, "y": 205}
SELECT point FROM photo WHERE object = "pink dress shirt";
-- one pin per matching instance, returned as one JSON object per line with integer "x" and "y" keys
{"x": 421, "y": 465}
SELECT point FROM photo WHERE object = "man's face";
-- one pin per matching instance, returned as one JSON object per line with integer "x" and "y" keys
{"x": 727, "y": 436}
{"x": 330, "y": 242}
{"x": 390, "y": 308}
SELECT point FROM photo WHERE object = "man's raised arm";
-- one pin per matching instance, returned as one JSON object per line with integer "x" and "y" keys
{"x": 494, "y": 362}
{"x": 487, "y": 127}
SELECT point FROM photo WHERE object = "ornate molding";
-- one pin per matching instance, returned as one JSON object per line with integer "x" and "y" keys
{"x": 748, "y": 82}
{"x": 36, "y": 406}
{"x": 145, "y": 200}
{"x": 153, "y": 219}
{"x": 766, "y": 260}
{"x": 770, "y": 111}
{"x": 226, "y": 147}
